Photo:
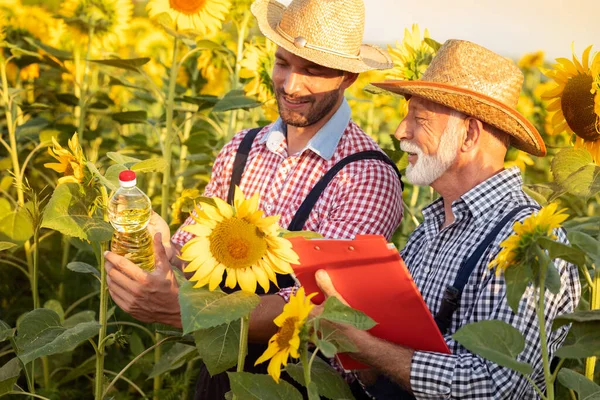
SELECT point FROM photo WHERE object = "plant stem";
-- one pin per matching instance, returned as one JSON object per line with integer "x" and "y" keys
{"x": 36, "y": 256}
{"x": 65, "y": 257}
{"x": 590, "y": 362}
{"x": 305, "y": 364}
{"x": 37, "y": 396}
{"x": 142, "y": 354}
{"x": 236, "y": 72}
{"x": 157, "y": 381}
{"x": 99, "y": 378}
{"x": 164, "y": 208}
{"x": 189, "y": 369}
{"x": 243, "y": 349}
{"x": 544, "y": 261}
{"x": 244, "y": 323}
{"x": 83, "y": 85}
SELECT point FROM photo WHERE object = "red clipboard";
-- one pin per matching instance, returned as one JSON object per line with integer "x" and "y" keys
{"x": 372, "y": 278}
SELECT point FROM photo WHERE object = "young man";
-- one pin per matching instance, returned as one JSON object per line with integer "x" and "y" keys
{"x": 460, "y": 122}
{"x": 316, "y": 61}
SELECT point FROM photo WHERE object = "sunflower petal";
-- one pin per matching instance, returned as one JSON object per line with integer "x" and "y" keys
{"x": 246, "y": 280}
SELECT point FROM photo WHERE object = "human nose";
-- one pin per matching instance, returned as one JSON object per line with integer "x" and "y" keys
{"x": 292, "y": 83}
{"x": 402, "y": 131}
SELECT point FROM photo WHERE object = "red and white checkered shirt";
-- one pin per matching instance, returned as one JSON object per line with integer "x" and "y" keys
{"x": 364, "y": 197}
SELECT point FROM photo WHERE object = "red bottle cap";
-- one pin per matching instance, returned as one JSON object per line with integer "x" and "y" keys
{"x": 127, "y": 175}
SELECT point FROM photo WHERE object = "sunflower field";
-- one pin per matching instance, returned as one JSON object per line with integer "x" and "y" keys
{"x": 90, "y": 88}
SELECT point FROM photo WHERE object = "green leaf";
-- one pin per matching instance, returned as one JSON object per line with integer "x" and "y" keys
{"x": 122, "y": 159}
{"x": 80, "y": 317}
{"x": 435, "y": 45}
{"x": 202, "y": 309}
{"x": 496, "y": 341}
{"x": 112, "y": 173}
{"x": 582, "y": 341}
{"x": 66, "y": 341}
{"x": 336, "y": 311}
{"x": 151, "y": 165}
{"x": 517, "y": 279}
{"x": 235, "y": 100}
{"x": 6, "y": 245}
{"x": 203, "y": 102}
{"x": 114, "y": 81}
{"x": 552, "y": 279}
{"x": 218, "y": 346}
{"x": 37, "y": 328}
{"x": 327, "y": 348}
{"x": 68, "y": 99}
{"x": 9, "y": 373}
{"x": 130, "y": 117}
{"x": 562, "y": 251}
{"x": 101, "y": 177}
{"x": 60, "y": 54}
{"x": 55, "y": 306}
{"x": 586, "y": 243}
{"x": 16, "y": 226}
{"x": 67, "y": 213}
{"x": 172, "y": 359}
{"x": 334, "y": 335}
{"x": 313, "y": 392}
{"x": 579, "y": 383}
{"x": 247, "y": 386}
{"x": 131, "y": 64}
{"x": 576, "y": 172}
{"x": 329, "y": 382}
{"x": 577, "y": 316}
{"x": 83, "y": 268}
{"x": 6, "y": 332}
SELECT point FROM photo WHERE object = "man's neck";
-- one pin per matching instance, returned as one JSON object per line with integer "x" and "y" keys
{"x": 456, "y": 182}
{"x": 298, "y": 137}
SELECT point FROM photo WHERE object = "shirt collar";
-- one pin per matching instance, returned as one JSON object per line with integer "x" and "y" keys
{"x": 479, "y": 200}
{"x": 491, "y": 192}
{"x": 325, "y": 140}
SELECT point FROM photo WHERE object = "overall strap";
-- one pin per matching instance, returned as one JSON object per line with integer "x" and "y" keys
{"x": 240, "y": 161}
{"x": 453, "y": 292}
{"x": 309, "y": 202}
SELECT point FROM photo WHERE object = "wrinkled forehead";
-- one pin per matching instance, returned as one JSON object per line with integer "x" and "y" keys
{"x": 420, "y": 104}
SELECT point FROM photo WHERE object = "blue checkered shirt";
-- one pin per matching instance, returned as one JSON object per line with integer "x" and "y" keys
{"x": 434, "y": 256}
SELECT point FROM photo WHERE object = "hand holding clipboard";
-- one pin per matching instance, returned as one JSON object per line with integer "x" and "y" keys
{"x": 372, "y": 278}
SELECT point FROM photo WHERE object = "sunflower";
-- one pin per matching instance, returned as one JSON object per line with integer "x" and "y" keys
{"x": 540, "y": 224}
{"x": 201, "y": 16}
{"x": 237, "y": 240}
{"x": 575, "y": 100}
{"x": 257, "y": 65}
{"x": 184, "y": 205}
{"x": 70, "y": 163}
{"x": 412, "y": 56}
{"x": 212, "y": 68}
{"x": 288, "y": 338}
{"x": 532, "y": 60}
{"x": 108, "y": 18}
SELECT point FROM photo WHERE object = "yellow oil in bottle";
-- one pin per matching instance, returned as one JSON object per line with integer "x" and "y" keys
{"x": 129, "y": 240}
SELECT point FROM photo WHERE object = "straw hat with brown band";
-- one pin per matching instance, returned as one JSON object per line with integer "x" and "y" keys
{"x": 477, "y": 82}
{"x": 328, "y": 33}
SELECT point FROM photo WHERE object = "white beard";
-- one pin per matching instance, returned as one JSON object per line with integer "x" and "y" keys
{"x": 428, "y": 168}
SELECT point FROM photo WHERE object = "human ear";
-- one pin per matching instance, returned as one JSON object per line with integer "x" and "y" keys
{"x": 474, "y": 128}
{"x": 349, "y": 79}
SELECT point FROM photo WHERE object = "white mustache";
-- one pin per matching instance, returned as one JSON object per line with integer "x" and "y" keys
{"x": 409, "y": 147}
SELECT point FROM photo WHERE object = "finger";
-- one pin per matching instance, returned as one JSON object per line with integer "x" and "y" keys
{"x": 324, "y": 282}
{"x": 125, "y": 266}
{"x": 161, "y": 260}
{"x": 118, "y": 281}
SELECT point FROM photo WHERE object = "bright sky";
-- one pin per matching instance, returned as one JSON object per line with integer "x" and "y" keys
{"x": 509, "y": 27}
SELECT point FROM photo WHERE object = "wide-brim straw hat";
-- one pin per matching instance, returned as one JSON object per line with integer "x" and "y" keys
{"x": 328, "y": 33}
{"x": 478, "y": 82}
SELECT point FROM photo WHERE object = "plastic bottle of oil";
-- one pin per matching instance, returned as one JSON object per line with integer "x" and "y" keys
{"x": 129, "y": 213}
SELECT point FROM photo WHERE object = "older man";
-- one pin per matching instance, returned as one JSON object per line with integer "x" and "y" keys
{"x": 461, "y": 120}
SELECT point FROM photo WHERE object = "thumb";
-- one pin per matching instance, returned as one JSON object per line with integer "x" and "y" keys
{"x": 324, "y": 282}
{"x": 161, "y": 261}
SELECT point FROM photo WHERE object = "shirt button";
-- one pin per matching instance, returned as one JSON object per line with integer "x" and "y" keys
{"x": 269, "y": 207}
{"x": 426, "y": 270}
